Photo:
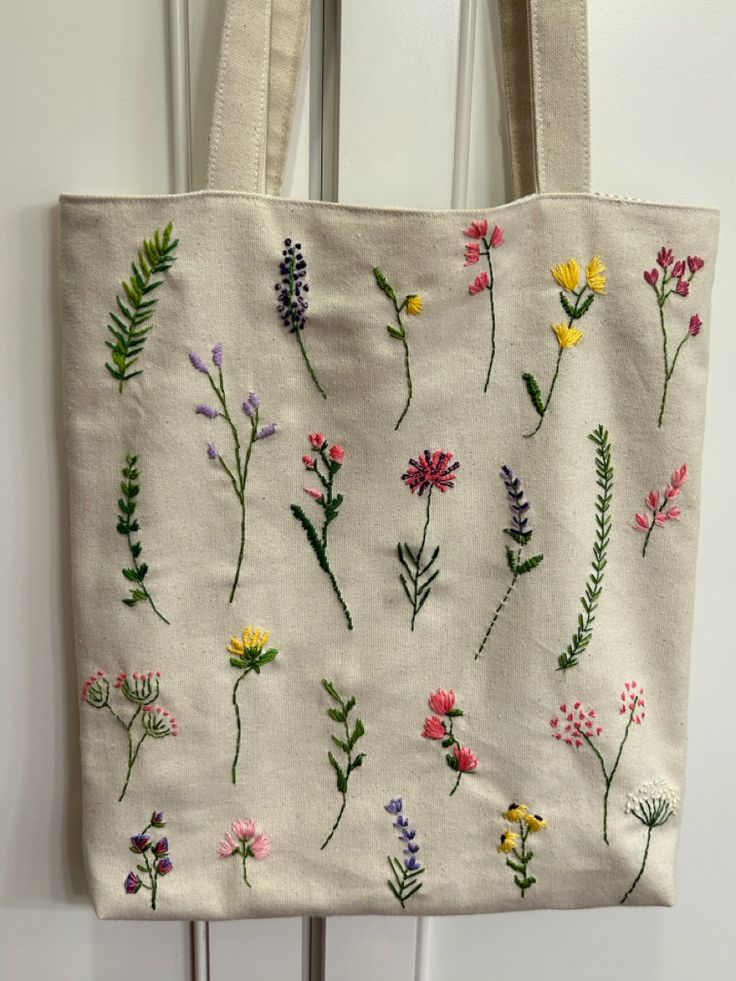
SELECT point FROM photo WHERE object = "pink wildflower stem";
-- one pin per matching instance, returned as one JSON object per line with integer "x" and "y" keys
{"x": 653, "y": 525}
{"x": 608, "y": 777}
{"x": 487, "y": 253}
{"x": 669, "y": 369}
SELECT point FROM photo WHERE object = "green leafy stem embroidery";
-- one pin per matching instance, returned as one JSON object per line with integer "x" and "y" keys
{"x": 131, "y": 324}
{"x": 247, "y": 654}
{"x": 420, "y": 575}
{"x": 521, "y": 533}
{"x": 594, "y": 586}
{"x": 514, "y": 843}
{"x": 142, "y": 690}
{"x": 127, "y": 526}
{"x": 237, "y": 472}
{"x": 331, "y": 458}
{"x": 413, "y": 305}
{"x": 346, "y": 745}
{"x": 568, "y": 336}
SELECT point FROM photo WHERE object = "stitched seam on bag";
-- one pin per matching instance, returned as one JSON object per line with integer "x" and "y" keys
{"x": 583, "y": 46}
{"x": 262, "y": 104}
{"x": 539, "y": 158}
{"x": 219, "y": 97}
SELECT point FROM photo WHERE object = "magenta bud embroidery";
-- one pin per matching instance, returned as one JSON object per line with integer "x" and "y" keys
{"x": 154, "y": 860}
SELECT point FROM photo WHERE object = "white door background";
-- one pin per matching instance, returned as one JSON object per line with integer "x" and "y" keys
{"x": 85, "y": 105}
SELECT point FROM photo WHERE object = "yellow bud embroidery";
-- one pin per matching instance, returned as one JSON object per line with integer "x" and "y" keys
{"x": 535, "y": 822}
{"x": 568, "y": 336}
{"x": 595, "y": 275}
{"x": 414, "y": 305}
{"x": 567, "y": 274}
{"x": 516, "y": 812}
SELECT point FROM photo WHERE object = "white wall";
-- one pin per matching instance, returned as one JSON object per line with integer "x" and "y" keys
{"x": 83, "y": 104}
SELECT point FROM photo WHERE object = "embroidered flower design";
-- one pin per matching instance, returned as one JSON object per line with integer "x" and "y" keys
{"x": 141, "y": 689}
{"x": 461, "y": 760}
{"x": 520, "y": 533}
{"x": 514, "y": 843}
{"x": 672, "y": 278}
{"x": 427, "y": 473}
{"x": 406, "y": 873}
{"x": 578, "y": 726}
{"x": 413, "y": 305}
{"x": 654, "y": 803}
{"x": 325, "y": 466}
{"x": 340, "y": 713}
{"x": 247, "y": 654}
{"x": 154, "y": 861}
{"x": 246, "y": 842}
{"x": 292, "y": 289}
{"x": 594, "y": 585}
{"x": 481, "y": 245}
{"x": 660, "y": 507}
{"x": 237, "y": 470}
{"x": 575, "y": 306}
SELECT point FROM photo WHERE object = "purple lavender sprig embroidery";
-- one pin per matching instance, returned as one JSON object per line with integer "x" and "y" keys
{"x": 292, "y": 289}
{"x": 521, "y": 533}
{"x": 154, "y": 861}
{"x": 405, "y": 873}
{"x": 236, "y": 471}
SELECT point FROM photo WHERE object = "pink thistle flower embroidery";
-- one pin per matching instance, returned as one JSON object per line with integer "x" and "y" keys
{"x": 694, "y": 263}
{"x": 244, "y": 830}
{"x": 442, "y": 702}
{"x": 477, "y": 229}
{"x": 250, "y": 843}
{"x": 261, "y": 847}
{"x": 467, "y": 761}
{"x": 228, "y": 846}
{"x": 659, "y": 507}
{"x": 481, "y": 282}
{"x": 651, "y": 276}
{"x": 434, "y": 728}
{"x": 472, "y": 253}
{"x": 430, "y": 471}
{"x": 694, "y": 326}
{"x": 665, "y": 257}
{"x": 497, "y": 237}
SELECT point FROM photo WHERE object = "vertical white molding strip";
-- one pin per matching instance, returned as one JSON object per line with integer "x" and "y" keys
{"x": 316, "y": 44}
{"x": 324, "y": 100}
{"x": 200, "y": 951}
{"x": 179, "y": 95}
{"x": 465, "y": 59}
{"x": 314, "y": 930}
{"x": 421, "y": 950}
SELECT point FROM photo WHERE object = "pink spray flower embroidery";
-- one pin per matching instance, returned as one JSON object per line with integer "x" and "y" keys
{"x": 462, "y": 759}
{"x": 442, "y": 702}
{"x": 660, "y": 507}
{"x": 480, "y": 246}
{"x": 247, "y": 842}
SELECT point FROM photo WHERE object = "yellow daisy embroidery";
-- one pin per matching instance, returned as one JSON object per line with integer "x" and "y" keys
{"x": 594, "y": 275}
{"x": 254, "y": 639}
{"x": 567, "y": 275}
{"x": 516, "y": 812}
{"x": 568, "y": 336}
{"x": 535, "y": 822}
{"x": 509, "y": 841}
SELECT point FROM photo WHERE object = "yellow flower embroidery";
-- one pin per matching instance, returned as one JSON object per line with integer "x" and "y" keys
{"x": 568, "y": 336}
{"x": 516, "y": 812}
{"x": 594, "y": 275}
{"x": 254, "y": 639}
{"x": 414, "y": 305}
{"x": 567, "y": 275}
{"x": 535, "y": 822}
{"x": 509, "y": 841}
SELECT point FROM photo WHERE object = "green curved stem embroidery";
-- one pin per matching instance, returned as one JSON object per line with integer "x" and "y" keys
{"x": 653, "y": 804}
{"x": 514, "y": 844}
{"x": 246, "y": 654}
{"x": 567, "y": 275}
{"x": 127, "y": 525}
{"x": 292, "y": 300}
{"x": 331, "y": 459}
{"x": 154, "y": 861}
{"x": 132, "y": 323}
{"x": 413, "y": 305}
{"x": 416, "y": 569}
{"x": 346, "y": 745}
{"x": 142, "y": 690}
{"x": 594, "y": 586}
{"x": 521, "y": 533}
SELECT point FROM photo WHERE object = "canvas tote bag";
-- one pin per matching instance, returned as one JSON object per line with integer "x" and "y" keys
{"x": 384, "y": 521}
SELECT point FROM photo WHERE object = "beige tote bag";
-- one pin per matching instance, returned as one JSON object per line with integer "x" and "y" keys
{"x": 384, "y": 521}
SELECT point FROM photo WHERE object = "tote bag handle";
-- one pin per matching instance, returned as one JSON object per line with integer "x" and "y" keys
{"x": 545, "y": 65}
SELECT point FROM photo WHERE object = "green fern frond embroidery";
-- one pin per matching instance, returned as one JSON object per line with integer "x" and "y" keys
{"x": 131, "y": 324}
{"x": 352, "y": 762}
{"x": 594, "y": 586}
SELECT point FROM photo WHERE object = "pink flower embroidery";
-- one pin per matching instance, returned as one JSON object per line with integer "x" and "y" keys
{"x": 337, "y": 453}
{"x": 632, "y": 701}
{"x": 313, "y": 492}
{"x": 477, "y": 229}
{"x": 308, "y": 461}
{"x": 442, "y": 702}
{"x": 244, "y": 829}
{"x": 250, "y": 843}
{"x": 575, "y": 724}
{"x": 483, "y": 245}
{"x": 461, "y": 760}
{"x": 694, "y": 263}
{"x": 467, "y": 761}
{"x": 434, "y": 728}
{"x": 665, "y": 257}
{"x": 317, "y": 440}
{"x": 658, "y": 505}
{"x": 497, "y": 237}
{"x": 695, "y": 324}
{"x": 228, "y": 846}
{"x": 642, "y": 521}
{"x": 430, "y": 471}
{"x": 481, "y": 282}
{"x": 472, "y": 253}
{"x": 682, "y": 288}
{"x": 261, "y": 847}
{"x": 652, "y": 276}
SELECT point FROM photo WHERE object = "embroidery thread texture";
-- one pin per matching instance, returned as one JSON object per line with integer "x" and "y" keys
{"x": 567, "y": 275}
{"x": 683, "y": 272}
{"x": 521, "y": 533}
{"x": 346, "y": 745}
{"x": 428, "y": 472}
{"x": 514, "y": 843}
{"x": 154, "y": 861}
{"x": 127, "y": 526}
{"x": 292, "y": 291}
{"x": 484, "y": 282}
{"x": 247, "y": 654}
{"x": 131, "y": 324}
{"x": 413, "y": 306}
{"x": 653, "y": 804}
{"x": 331, "y": 458}
{"x": 406, "y": 873}
{"x": 594, "y": 586}
{"x": 142, "y": 690}
{"x": 462, "y": 759}
{"x": 237, "y": 473}
{"x": 661, "y": 508}
{"x": 246, "y": 841}
{"x": 578, "y": 726}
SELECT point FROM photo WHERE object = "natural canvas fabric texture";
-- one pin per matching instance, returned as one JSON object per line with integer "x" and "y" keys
{"x": 220, "y": 290}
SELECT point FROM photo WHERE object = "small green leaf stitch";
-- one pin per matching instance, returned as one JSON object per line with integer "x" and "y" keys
{"x": 346, "y": 746}
{"x": 413, "y": 305}
{"x": 514, "y": 843}
{"x": 132, "y": 323}
{"x": 521, "y": 533}
{"x": 594, "y": 586}
{"x": 127, "y": 526}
